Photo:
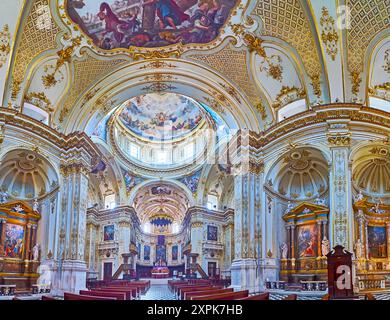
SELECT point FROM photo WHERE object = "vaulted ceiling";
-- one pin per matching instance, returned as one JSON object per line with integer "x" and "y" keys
{"x": 270, "y": 53}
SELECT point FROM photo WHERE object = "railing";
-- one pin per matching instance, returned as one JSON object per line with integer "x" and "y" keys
{"x": 372, "y": 284}
{"x": 202, "y": 273}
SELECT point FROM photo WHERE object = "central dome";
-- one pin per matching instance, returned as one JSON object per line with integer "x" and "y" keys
{"x": 161, "y": 116}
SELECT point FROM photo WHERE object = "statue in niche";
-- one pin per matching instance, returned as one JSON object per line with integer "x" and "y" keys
{"x": 35, "y": 250}
{"x": 4, "y": 197}
{"x": 359, "y": 196}
{"x": 325, "y": 246}
{"x": 290, "y": 206}
{"x": 320, "y": 201}
{"x": 36, "y": 205}
{"x": 358, "y": 249}
{"x": 284, "y": 250}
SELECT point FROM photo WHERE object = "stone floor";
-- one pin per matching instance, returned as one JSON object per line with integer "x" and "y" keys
{"x": 159, "y": 291}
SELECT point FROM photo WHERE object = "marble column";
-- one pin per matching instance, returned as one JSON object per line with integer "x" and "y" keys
{"x": 292, "y": 228}
{"x": 388, "y": 239}
{"x": 366, "y": 246}
{"x": 249, "y": 267}
{"x": 3, "y": 223}
{"x": 341, "y": 212}
{"x": 27, "y": 243}
{"x": 319, "y": 238}
{"x": 72, "y": 224}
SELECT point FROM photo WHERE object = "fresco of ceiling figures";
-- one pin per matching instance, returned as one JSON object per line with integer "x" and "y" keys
{"x": 158, "y": 117}
{"x": 113, "y": 24}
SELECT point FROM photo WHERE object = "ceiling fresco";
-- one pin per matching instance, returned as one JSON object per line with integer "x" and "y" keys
{"x": 161, "y": 117}
{"x": 115, "y": 24}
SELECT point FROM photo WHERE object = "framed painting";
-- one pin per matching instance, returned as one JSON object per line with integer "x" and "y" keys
{"x": 307, "y": 241}
{"x": 377, "y": 241}
{"x": 160, "y": 253}
{"x": 14, "y": 241}
{"x": 175, "y": 252}
{"x": 109, "y": 232}
{"x": 147, "y": 253}
{"x": 212, "y": 233}
{"x": 113, "y": 24}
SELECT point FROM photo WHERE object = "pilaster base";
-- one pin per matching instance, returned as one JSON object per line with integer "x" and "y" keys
{"x": 269, "y": 271}
{"x": 71, "y": 277}
{"x": 245, "y": 275}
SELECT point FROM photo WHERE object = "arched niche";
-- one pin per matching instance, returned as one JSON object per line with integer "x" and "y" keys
{"x": 28, "y": 176}
{"x": 371, "y": 172}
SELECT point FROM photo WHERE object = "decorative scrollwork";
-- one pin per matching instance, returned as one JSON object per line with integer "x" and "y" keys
{"x": 5, "y": 39}
{"x": 329, "y": 34}
{"x": 64, "y": 56}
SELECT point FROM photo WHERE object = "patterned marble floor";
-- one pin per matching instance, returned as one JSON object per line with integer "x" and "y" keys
{"x": 158, "y": 292}
{"x": 161, "y": 292}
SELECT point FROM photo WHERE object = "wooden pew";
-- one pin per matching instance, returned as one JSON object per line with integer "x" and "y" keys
{"x": 291, "y": 297}
{"x": 189, "y": 295}
{"x": 261, "y": 296}
{"x": 182, "y": 291}
{"x": 172, "y": 283}
{"x": 73, "y": 296}
{"x": 224, "y": 296}
{"x": 133, "y": 292}
{"x": 117, "y": 295}
{"x": 179, "y": 287}
{"x": 47, "y": 298}
{"x": 325, "y": 297}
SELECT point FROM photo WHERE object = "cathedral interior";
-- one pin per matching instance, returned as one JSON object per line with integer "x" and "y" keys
{"x": 194, "y": 149}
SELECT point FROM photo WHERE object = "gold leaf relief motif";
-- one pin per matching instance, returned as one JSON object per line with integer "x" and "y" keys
{"x": 286, "y": 19}
{"x": 329, "y": 34}
{"x": 5, "y": 48}
{"x": 64, "y": 56}
{"x": 386, "y": 65}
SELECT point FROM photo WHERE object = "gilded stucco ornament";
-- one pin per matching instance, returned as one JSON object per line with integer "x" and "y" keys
{"x": 288, "y": 94}
{"x": 5, "y": 48}
{"x": 381, "y": 91}
{"x": 271, "y": 65}
{"x": 329, "y": 34}
{"x": 39, "y": 99}
{"x": 53, "y": 74}
{"x": 386, "y": 65}
{"x": 356, "y": 80}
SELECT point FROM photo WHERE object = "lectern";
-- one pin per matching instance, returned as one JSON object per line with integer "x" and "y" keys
{"x": 340, "y": 283}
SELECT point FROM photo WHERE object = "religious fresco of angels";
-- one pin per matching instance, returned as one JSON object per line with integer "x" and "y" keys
{"x": 149, "y": 23}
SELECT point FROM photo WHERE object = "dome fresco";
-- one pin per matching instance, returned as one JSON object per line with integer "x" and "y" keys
{"x": 161, "y": 117}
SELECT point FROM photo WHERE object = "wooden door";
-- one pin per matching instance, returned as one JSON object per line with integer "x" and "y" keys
{"x": 107, "y": 271}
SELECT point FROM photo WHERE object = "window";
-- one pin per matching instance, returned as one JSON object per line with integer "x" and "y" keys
{"x": 292, "y": 109}
{"x": 175, "y": 227}
{"x": 212, "y": 202}
{"x": 134, "y": 150}
{"x": 147, "y": 227}
{"x": 109, "y": 201}
{"x": 188, "y": 150}
{"x": 162, "y": 156}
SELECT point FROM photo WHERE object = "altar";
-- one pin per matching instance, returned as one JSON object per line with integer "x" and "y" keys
{"x": 160, "y": 272}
